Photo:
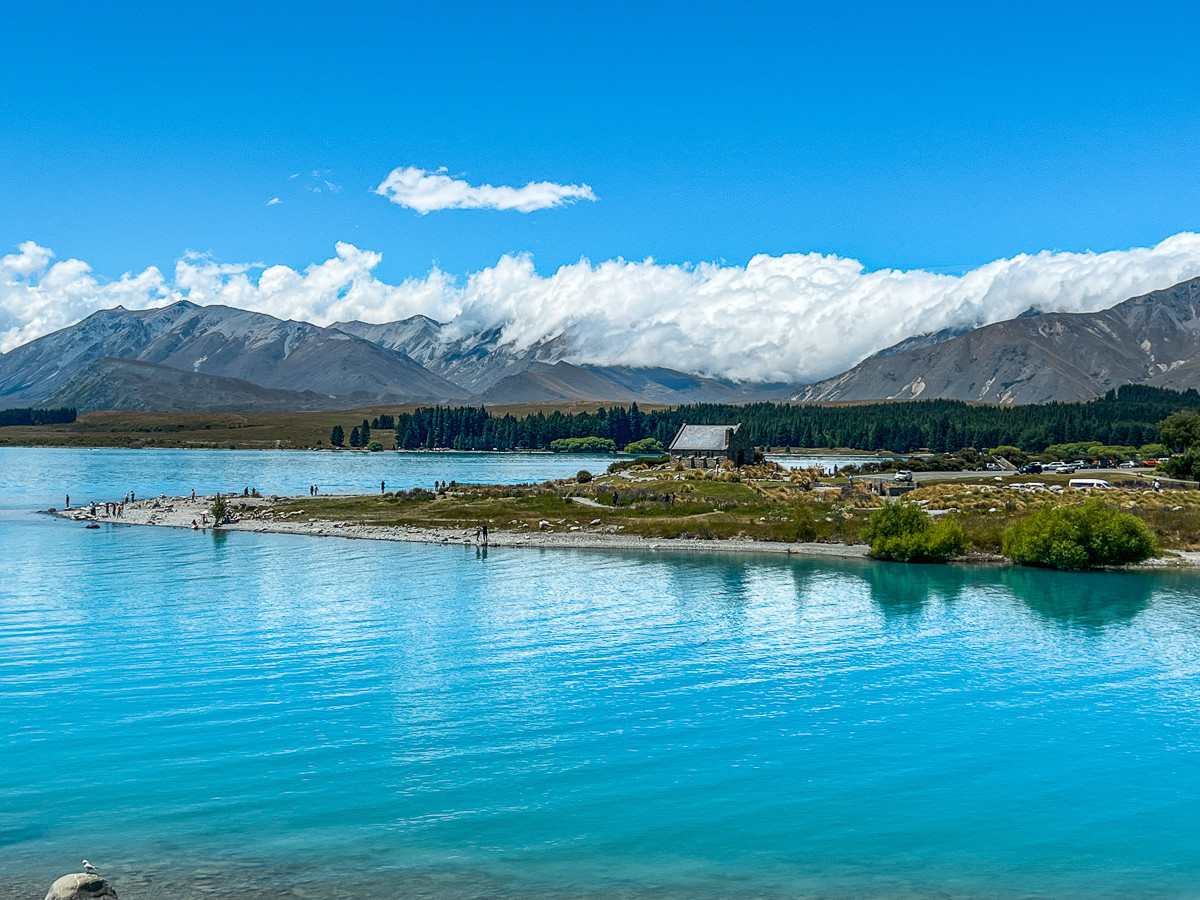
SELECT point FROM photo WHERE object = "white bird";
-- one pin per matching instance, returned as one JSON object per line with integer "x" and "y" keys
{"x": 89, "y": 868}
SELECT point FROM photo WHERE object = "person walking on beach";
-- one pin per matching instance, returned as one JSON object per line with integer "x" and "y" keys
{"x": 68, "y": 501}
{"x": 485, "y": 538}
{"x": 382, "y": 486}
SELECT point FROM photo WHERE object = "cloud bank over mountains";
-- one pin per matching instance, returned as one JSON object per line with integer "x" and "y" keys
{"x": 429, "y": 191}
{"x": 796, "y": 317}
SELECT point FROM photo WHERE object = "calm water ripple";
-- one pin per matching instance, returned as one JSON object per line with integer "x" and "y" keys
{"x": 250, "y": 715}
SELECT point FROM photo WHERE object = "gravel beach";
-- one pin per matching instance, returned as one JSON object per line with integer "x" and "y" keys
{"x": 181, "y": 512}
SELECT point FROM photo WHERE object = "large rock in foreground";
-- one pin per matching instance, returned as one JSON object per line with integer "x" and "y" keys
{"x": 80, "y": 887}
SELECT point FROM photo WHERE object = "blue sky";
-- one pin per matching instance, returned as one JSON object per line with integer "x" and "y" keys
{"x": 777, "y": 162}
{"x": 902, "y": 135}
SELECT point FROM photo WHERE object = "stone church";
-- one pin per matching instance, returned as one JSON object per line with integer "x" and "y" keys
{"x": 705, "y": 446}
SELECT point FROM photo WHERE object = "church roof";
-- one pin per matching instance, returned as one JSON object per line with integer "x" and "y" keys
{"x": 703, "y": 437}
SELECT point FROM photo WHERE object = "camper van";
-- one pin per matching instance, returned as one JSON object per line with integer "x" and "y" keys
{"x": 1088, "y": 483}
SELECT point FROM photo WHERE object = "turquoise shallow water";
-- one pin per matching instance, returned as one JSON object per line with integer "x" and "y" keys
{"x": 250, "y": 715}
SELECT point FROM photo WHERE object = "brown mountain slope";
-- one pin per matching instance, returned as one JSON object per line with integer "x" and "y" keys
{"x": 1154, "y": 338}
{"x": 129, "y": 384}
{"x": 219, "y": 340}
{"x": 545, "y": 383}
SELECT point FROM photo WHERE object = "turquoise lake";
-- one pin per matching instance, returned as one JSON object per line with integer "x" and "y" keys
{"x": 250, "y": 715}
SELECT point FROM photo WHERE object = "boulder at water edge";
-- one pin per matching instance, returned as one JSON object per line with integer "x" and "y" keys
{"x": 80, "y": 887}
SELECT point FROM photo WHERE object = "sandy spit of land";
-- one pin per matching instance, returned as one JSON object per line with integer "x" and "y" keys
{"x": 182, "y": 512}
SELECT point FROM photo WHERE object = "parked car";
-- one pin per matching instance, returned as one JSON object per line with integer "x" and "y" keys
{"x": 1128, "y": 464}
{"x": 1032, "y": 468}
{"x": 903, "y": 475}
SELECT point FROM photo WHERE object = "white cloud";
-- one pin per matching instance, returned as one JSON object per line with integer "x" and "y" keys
{"x": 37, "y": 297}
{"x": 274, "y": 201}
{"x": 428, "y": 191}
{"x": 794, "y": 318}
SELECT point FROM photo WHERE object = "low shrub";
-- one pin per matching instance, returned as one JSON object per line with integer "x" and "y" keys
{"x": 904, "y": 532}
{"x": 1185, "y": 466}
{"x": 1079, "y": 537}
{"x": 803, "y": 523}
{"x": 590, "y": 444}
{"x": 583, "y": 476}
{"x": 644, "y": 461}
{"x": 645, "y": 445}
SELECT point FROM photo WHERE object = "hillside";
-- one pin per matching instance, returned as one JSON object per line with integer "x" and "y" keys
{"x": 128, "y": 384}
{"x": 221, "y": 341}
{"x": 1151, "y": 339}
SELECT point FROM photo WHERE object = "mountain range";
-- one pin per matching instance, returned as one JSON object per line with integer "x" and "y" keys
{"x": 189, "y": 357}
{"x": 1038, "y": 357}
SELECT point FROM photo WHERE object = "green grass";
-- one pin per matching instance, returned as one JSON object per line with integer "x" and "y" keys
{"x": 712, "y": 510}
{"x": 242, "y": 431}
{"x": 768, "y": 510}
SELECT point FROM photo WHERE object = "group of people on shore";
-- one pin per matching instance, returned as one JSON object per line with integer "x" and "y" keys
{"x": 112, "y": 509}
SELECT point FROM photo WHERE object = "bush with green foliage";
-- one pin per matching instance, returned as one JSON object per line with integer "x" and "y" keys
{"x": 590, "y": 444}
{"x": 220, "y": 510}
{"x": 1185, "y": 466}
{"x": 1181, "y": 430}
{"x": 645, "y": 445}
{"x": 906, "y": 533}
{"x": 622, "y": 464}
{"x": 1079, "y": 537}
{"x": 804, "y": 523}
{"x": 1014, "y": 455}
{"x": 583, "y": 476}
{"x": 375, "y": 446}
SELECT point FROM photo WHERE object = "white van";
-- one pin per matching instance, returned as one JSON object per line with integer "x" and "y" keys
{"x": 1088, "y": 483}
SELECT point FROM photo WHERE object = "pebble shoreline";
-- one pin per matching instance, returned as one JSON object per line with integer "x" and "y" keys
{"x": 179, "y": 512}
